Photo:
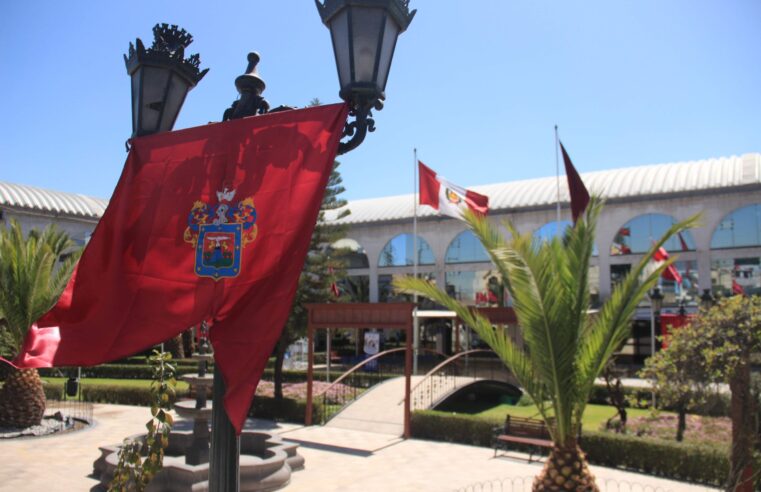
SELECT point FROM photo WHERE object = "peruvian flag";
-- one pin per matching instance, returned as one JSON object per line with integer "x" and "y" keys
{"x": 448, "y": 198}
{"x": 670, "y": 273}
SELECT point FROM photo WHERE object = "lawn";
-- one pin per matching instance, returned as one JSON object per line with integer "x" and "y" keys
{"x": 595, "y": 416}
{"x": 127, "y": 383}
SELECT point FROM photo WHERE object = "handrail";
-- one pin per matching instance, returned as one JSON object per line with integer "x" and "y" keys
{"x": 369, "y": 359}
{"x": 446, "y": 362}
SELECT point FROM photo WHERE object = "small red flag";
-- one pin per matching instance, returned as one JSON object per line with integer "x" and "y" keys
{"x": 737, "y": 288}
{"x": 670, "y": 273}
{"x": 682, "y": 242}
{"x": 579, "y": 193}
{"x": 334, "y": 285}
{"x": 209, "y": 223}
{"x": 446, "y": 197}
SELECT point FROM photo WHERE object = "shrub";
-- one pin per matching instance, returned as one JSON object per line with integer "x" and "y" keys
{"x": 123, "y": 395}
{"x": 53, "y": 391}
{"x": 681, "y": 461}
{"x": 114, "y": 371}
{"x": 717, "y": 405}
{"x": 285, "y": 410}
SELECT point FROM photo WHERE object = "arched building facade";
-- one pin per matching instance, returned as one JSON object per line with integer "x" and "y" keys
{"x": 722, "y": 254}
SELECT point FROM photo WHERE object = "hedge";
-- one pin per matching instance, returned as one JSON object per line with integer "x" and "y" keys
{"x": 286, "y": 410}
{"x": 114, "y": 371}
{"x": 716, "y": 406}
{"x": 669, "y": 459}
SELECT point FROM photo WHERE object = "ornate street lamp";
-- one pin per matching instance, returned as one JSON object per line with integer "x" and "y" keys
{"x": 364, "y": 34}
{"x": 161, "y": 78}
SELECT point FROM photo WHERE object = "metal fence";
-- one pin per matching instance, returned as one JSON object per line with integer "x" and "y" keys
{"x": 523, "y": 484}
{"x": 70, "y": 413}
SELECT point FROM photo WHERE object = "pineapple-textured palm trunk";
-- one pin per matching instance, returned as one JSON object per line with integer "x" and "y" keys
{"x": 22, "y": 399}
{"x": 566, "y": 470}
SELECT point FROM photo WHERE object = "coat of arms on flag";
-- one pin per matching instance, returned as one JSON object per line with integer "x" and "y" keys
{"x": 219, "y": 233}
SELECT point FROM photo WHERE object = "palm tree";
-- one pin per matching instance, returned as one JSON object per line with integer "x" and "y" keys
{"x": 31, "y": 279}
{"x": 565, "y": 345}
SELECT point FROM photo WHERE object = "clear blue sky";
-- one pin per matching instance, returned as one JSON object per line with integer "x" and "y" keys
{"x": 476, "y": 86}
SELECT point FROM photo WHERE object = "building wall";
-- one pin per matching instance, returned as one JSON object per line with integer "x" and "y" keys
{"x": 78, "y": 228}
{"x": 440, "y": 231}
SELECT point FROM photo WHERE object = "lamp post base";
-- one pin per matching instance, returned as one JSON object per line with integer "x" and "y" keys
{"x": 224, "y": 468}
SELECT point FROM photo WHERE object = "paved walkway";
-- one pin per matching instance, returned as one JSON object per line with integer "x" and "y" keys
{"x": 337, "y": 460}
{"x": 379, "y": 409}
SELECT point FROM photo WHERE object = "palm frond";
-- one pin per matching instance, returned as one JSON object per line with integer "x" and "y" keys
{"x": 611, "y": 328}
{"x": 31, "y": 280}
{"x": 565, "y": 348}
{"x": 498, "y": 339}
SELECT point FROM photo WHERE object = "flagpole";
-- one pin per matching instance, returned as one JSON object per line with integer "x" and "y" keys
{"x": 415, "y": 325}
{"x": 557, "y": 178}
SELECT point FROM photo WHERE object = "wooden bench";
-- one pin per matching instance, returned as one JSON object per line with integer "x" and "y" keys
{"x": 531, "y": 433}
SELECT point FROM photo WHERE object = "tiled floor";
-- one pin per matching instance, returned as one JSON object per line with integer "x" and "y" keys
{"x": 337, "y": 460}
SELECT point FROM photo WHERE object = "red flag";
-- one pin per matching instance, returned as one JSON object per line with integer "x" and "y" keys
{"x": 448, "y": 198}
{"x": 670, "y": 272}
{"x": 209, "y": 223}
{"x": 737, "y": 288}
{"x": 334, "y": 285}
{"x": 579, "y": 193}
{"x": 682, "y": 242}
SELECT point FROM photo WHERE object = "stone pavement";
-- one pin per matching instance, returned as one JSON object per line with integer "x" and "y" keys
{"x": 379, "y": 409}
{"x": 337, "y": 460}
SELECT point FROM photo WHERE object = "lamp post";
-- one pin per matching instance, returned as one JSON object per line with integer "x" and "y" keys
{"x": 707, "y": 300}
{"x": 364, "y": 35}
{"x": 656, "y": 302}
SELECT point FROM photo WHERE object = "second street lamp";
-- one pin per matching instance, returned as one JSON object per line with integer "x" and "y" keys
{"x": 364, "y": 34}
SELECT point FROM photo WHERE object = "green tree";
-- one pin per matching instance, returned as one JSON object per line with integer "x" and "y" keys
{"x": 721, "y": 341}
{"x": 565, "y": 346}
{"x": 323, "y": 267}
{"x": 31, "y": 280}
{"x": 679, "y": 377}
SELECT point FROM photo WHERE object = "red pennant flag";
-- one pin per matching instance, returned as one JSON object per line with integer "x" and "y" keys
{"x": 737, "y": 288}
{"x": 671, "y": 272}
{"x": 579, "y": 193}
{"x": 334, "y": 289}
{"x": 209, "y": 223}
{"x": 448, "y": 198}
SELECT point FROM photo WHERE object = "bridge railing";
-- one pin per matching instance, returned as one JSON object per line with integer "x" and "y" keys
{"x": 359, "y": 378}
{"x": 454, "y": 372}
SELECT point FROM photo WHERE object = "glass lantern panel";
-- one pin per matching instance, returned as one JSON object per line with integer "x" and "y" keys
{"x": 390, "y": 34}
{"x": 339, "y": 29}
{"x": 135, "y": 99}
{"x": 366, "y": 31}
{"x": 178, "y": 89}
{"x": 153, "y": 87}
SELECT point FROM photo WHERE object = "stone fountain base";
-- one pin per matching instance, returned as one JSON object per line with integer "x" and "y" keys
{"x": 266, "y": 463}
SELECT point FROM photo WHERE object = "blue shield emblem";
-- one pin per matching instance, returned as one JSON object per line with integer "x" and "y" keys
{"x": 218, "y": 250}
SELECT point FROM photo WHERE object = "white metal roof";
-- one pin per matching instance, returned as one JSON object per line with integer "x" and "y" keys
{"x": 48, "y": 201}
{"x": 658, "y": 179}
